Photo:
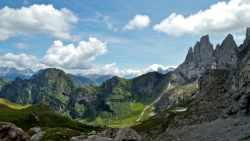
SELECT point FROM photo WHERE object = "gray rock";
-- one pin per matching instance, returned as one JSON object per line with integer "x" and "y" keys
{"x": 92, "y": 133}
{"x": 78, "y": 138}
{"x": 39, "y": 134}
{"x": 9, "y": 132}
{"x": 198, "y": 60}
{"x": 226, "y": 55}
{"x": 111, "y": 133}
{"x": 36, "y": 129}
{"x": 127, "y": 134}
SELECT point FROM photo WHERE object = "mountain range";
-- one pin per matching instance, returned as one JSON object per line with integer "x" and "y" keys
{"x": 115, "y": 100}
{"x": 204, "y": 98}
{"x": 10, "y": 74}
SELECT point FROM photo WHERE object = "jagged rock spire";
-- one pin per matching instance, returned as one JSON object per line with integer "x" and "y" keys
{"x": 203, "y": 51}
{"x": 247, "y": 35}
{"x": 226, "y": 53}
{"x": 190, "y": 55}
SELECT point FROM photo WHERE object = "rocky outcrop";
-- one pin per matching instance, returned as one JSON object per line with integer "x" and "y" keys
{"x": 2, "y": 83}
{"x": 226, "y": 54}
{"x": 175, "y": 96}
{"x": 39, "y": 134}
{"x": 198, "y": 60}
{"x": 9, "y": 132}
{"x": 204, "y": 57}
{"x": 239, "y": 81}
{"x": 209, "y": 103}
{"x": 222, "y": 92}
{"x": 125, "y": 134}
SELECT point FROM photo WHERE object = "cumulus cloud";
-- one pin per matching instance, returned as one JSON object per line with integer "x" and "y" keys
{"x": 139, "y": 21}
{"x": 71, "y": 57}
{"x": 21, "y": 45}
{"x": 20, "y": 61}
{"x": 220, "y": 18}
{"x": 43, "y": 19}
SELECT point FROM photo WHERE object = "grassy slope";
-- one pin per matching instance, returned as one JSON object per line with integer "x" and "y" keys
{"x": 50, "y": 122}
{"x": 161, "y": 121}
{"x": 157, "y": 124}
{"x": 12, "y": 105}
{"x": 126, "y": 102}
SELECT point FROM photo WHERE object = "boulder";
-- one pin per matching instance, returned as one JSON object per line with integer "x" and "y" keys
{"x": 39, "y": 134}
{"x": 127, "y": 134}
{"x": 9, "y": 132}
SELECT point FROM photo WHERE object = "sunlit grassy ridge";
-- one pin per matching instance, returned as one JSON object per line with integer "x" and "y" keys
{"x": 12, "y": 105}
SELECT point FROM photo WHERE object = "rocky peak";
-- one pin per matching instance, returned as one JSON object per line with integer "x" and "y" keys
{"x": 190, "y": 55}
{"x": 203, "y": 50}
{"x": 160, "y": 70}
{"x": 228, "y": 42}
{"x": 247, "y": 35}
{"x": 226, "y": 54}
{"x": 205, "y": 39}
{"x": 197, "y": 61}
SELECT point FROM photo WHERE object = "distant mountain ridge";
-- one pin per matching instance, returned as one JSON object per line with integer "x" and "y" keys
{"x": 11, "y": 73}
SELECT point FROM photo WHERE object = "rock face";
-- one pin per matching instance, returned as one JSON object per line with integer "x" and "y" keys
{"x": 2, "y": 83}
{"x": 221, "y": 108}
{"x": 222, "y": 92}
{"x": 203, "y": 57}
{"x": 226, "y": 54}
{"x": 239, "y": 80}
{"x": 198, "y": 60}
{"x": 9, "y": 132}
{"x": 127, "y": 134}
{"x": 209, "y": 100}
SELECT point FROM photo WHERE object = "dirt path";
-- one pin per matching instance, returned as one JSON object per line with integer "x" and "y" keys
{"x": 153, "y": 103}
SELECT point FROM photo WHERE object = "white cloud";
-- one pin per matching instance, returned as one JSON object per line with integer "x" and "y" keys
{"x": 71, "y": 57}
{"x": 221, "y": 18}
{"x": 43, "y": 19}
{"x": 108, "y": 23}
{"x": 21, "y": 45}
{"x": 20, "y": 61}
{"x": 139, "y": 21}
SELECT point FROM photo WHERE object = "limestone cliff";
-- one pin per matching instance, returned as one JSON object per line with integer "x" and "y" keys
{"x": 198, "y": 60}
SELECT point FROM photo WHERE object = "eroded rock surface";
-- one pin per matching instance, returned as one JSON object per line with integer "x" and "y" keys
{"x": 9, "y": 132}
{"x": 125, "y": 134}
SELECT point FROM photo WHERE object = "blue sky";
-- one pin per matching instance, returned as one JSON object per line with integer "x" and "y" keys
{"x": 113, "y": 37}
